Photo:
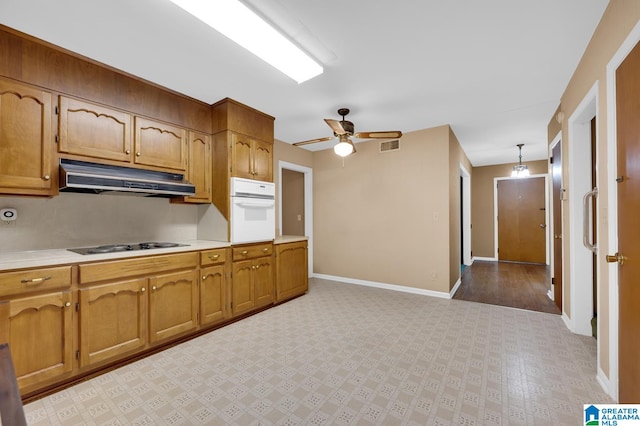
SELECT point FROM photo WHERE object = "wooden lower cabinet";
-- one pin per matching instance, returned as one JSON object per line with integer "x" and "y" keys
{"x": 292, "y": 276}
{"x": 64, "y": 322}
{"x": 263, "y": 281}
{"x": 213, "y": 295}
{"x": 113, "y": 320}
{"x": 252, "y": 284}
{"x": 242, "y": 297}
{"x": 173, "y": 305}
{"x": 252, "y": 277}
{"x": 39, "y": 330}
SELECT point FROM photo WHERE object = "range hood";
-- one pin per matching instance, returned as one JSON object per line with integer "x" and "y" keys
{"x": 92, "y": 178}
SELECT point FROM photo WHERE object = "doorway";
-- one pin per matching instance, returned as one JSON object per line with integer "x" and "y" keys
{"x": 465, "y": 218}
{"x": 578, "y": 312}
{"x": 626, "y": 192}
{"x": 293, "y": 214}
{"x": 521, "y": 219}
{"x": 556, "y": 207}
{"x": 306, "y": 192}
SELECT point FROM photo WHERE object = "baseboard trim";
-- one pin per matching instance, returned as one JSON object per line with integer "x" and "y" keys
{"x": 604, "y": 381}
{"x": 455, "y": 288}
{"x": 487, "y": 259}
{"x": 394, "y": 287}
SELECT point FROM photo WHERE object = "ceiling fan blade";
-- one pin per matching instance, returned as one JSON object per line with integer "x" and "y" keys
{"x": 378, "y": 135}
{"x": 310, "y": 141}
{"x": 335, "y": 126}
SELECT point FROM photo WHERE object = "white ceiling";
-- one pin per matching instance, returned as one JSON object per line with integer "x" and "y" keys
{"x": 494, "y": 69}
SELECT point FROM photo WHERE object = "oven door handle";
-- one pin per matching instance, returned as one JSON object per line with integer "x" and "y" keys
{"x": 253, "y": 202}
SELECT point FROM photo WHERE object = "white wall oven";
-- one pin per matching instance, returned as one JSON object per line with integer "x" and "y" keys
{"x": 253, "y": 211}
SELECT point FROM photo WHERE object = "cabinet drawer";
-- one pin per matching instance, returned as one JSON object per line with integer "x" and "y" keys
{"x": 213, "y": 257}
{"x": 249, "y": 252}
{"x": 102, "y": 271}
{"x": 32, "y": 280}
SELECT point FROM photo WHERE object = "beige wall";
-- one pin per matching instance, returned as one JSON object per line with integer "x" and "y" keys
{"x": 457, "y": 157}
{"x": 482, "y": 215}
{"x": 617, "y": 22}
{"x": 384, "y": 217}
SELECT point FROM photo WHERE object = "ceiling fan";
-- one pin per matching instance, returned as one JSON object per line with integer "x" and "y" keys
{"x": 343, "y": 129}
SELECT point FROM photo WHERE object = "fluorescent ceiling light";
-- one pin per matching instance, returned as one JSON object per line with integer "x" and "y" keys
{"x": 237, "y": 22}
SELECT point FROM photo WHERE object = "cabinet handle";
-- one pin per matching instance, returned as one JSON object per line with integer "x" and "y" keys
{"x": 138, "y": 154}
{"x": 67, "y": 304}
{"x": 214, "y": 256}
{"x": 253, "y": 267}
{"x": 35, "y": 280}
{"x": 257, "y": 266}
{"x": 154, "y": 288}
{"x": 204, "y": 277}
{"x": 128, "y": 152}
{"x": 266, "y": 249}
{"x": 46, "y": 177}
{"x": 244, "y": 252}
{"x": 143, "y": 289}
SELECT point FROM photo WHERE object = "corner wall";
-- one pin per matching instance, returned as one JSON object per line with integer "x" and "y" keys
{"x": 384, "y": 217}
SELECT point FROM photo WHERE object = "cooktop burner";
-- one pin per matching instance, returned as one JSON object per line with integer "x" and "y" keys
{"x": 113, "y": 248}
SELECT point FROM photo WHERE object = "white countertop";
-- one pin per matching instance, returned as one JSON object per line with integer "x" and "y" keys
{"x": 36, "y": 258}
{"x": 283, "y": 239}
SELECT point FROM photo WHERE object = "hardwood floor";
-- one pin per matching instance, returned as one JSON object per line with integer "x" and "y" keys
{"x": 518, "y": 285}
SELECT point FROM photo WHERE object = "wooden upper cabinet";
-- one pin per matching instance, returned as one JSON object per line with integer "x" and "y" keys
{"x": 25, "y": 139}
{"x": 199, "y": 167}
{"x": 95, "y": 131}
{"x": 251, "y": 158}
{"x": 242, "y": 156}
{"x": 263, "y": 161}
{"x": 160, "y": 144}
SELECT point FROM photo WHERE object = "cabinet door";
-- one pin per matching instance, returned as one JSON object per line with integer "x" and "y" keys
{"x": 263, "y": 161}
{"x": 94, "y": 131}
{"x": 173, "y": 305}
{"x": 241, "y": 157}
{"x": 242, "y": 297}
{"x": 263, "y": 281}
{"x": 40, "y": 335}
{"x": 113, "y": 320}
{"x": 160, "y": 144}
{"x": 199, "y": 167}
{"x": 213, "y": 295}
{"x": 25, "y": 139}
{"x": 291, "y": 270}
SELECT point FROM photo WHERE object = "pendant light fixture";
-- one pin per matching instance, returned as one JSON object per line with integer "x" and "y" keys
{"x": 520, "y": 170}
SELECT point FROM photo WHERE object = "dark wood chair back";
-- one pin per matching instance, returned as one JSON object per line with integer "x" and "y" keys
{"x": 11, "y": 411}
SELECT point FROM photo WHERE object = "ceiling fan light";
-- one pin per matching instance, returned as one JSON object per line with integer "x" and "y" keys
{"x": 343, "y": 148}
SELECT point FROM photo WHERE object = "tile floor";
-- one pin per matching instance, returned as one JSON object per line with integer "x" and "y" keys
{"x": 346, "y": 355}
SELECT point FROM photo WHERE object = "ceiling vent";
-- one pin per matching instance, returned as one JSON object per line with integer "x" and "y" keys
{"x": 392, "y": 145}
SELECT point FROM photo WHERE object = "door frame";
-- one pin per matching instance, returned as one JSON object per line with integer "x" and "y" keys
{"x": 466, "y": 215}
{"x": 308, "y": 204}
{"x": 495, "y": 211}
{"x": 579, "y": 181}
{"x": 611, "y": 384}
{"x": 552, "y": 230}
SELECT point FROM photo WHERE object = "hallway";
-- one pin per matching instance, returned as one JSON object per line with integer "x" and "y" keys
{"x": 517, "y": 285}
